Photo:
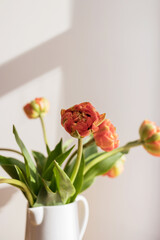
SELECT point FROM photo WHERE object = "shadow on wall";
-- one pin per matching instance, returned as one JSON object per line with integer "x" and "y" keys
{"x": 72, "y": 50}
{"x": 7, "y": 194}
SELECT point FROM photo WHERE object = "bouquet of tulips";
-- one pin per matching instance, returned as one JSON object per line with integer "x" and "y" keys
{"x": 64, "y": 172}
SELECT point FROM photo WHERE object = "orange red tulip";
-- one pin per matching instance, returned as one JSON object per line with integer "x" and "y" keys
{"x": 81, "y": 119}
{"x": 106, "y": 137}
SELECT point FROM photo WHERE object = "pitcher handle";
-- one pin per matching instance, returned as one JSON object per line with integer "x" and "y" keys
{"x": 86, "y": 215}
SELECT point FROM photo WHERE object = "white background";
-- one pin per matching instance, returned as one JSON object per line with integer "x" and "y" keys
{"x": 106, "y": 52}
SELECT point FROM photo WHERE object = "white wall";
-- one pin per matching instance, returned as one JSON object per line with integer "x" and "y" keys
{"x": 109, "y": 55}
{"x": 12, "y": 203}
{"x": 26, "y": 24}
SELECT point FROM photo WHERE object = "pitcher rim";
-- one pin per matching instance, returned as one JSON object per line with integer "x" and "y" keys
{"x": 60, "y": 205}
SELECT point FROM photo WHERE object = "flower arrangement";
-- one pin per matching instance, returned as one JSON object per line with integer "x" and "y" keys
{"x": 64, "y": 173}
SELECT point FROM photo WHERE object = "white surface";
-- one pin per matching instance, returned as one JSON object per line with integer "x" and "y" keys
{"x": 26, "y": 24}
{"x": 84, "y": 222}
{"x": 110, "y": 56}
{"x": 56, "y": 222}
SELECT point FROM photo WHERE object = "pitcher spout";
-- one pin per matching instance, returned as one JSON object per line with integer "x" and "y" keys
{"x": 36, "y": 215}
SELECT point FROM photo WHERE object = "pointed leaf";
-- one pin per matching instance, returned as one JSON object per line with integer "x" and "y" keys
{"x": 89, "y": 150}
{"x": 24, "y": 150}
{"x": 53, "y": 185}
{"x": 64, "y": 185}
{"x": 87, "y": 183}
{"x": 12, "y": 162}
{"x": 47, "y": 198}
{"x": 93, "y": 156}
{"x": 23, "y": 179}
{"x": 21, "y": 175}
{"x": 48, "y": 149}
{"x": 99, "y": 169}
{"x": 69, "y": 168}
{"x": 52, "y": 156}
{"x": 40, "y": 160}
{"x": 67, "y": 144}
{"x": 31, "y": 171}
{"x": 11, "y": 170}
{"x": 8, "y": 164}
{"x": 60, "y": 159}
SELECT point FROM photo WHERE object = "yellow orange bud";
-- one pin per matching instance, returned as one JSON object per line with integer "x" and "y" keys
{"x": 37, "y": 107}
{"x": 150, "y": 135}
{"x": 117, "y": 168}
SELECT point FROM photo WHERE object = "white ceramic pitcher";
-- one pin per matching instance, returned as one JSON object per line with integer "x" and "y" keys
{"x": 56, "y": 222}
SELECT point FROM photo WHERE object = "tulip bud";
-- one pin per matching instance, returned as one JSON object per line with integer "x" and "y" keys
{"x": 147, "y": 129}
{"x": 106, "y": 137}
{"x": 117, "y": 168}
{"x": 150, "y": 135}
{"x": 37, "y": 107}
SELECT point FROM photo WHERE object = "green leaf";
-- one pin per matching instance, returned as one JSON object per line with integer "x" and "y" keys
{"x": 53, "y": 185}
{"x": 64, "y": 185}
{"x": 48, "y": 149}
{"x": 67, "y": 144}
{"x": 31, "y": 170}
{"x": 89, "y": 150}
{"x": 78, "y": 180}
{"x": 21, "y": 176}
{"x": 59, "y": 159}
{"x": 11, "y": 170}
{"x": 40, "y": 160}
{"x": 24, "y": 151}
{"x": 11, "y": 161}
{"x": 21, "y": 186}
{"x": 23, "y": 179}
{"x": 99, "y": 169}
{"x": 47, "y": 198}
{"x": 87, "y": 183}
{"x": 52, "y": 156}
{"x": 8, "y": 164}
{"x": 93, "y": 156}
{"x": 69, "y": 167}
{"x": 28, "y": 174}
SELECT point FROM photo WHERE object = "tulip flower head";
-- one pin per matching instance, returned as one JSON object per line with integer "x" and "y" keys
{"x": 150, "y": 135}
{"x": 117, "y": 168}
{"x": 81, "y": 119}
{"x": 37, "y": 107}
{"x": 106, "y": 137}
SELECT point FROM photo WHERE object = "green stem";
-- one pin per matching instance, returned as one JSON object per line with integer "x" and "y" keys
{"x": 20, "y": 185}
{"x": 78, "y": 160}
{"x": 109, "y": 154}
{"x": 44, "y": 133}
{"x": 10, "y": 150}
{"x": 75, "y": 152}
